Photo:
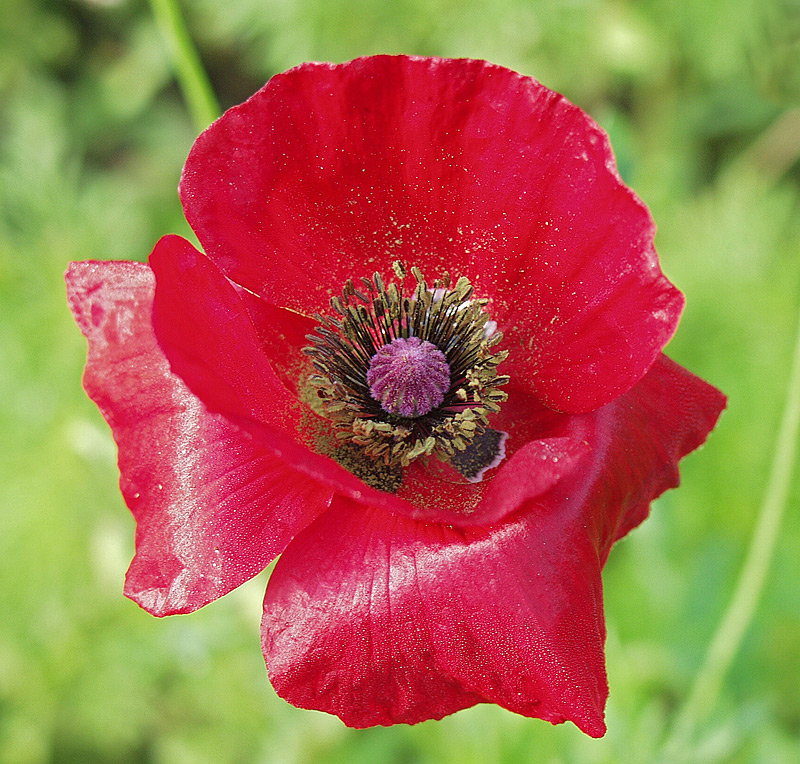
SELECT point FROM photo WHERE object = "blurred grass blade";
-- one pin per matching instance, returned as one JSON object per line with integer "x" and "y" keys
{"x": 192, "y": 78}
{"x": 732, "y": 627}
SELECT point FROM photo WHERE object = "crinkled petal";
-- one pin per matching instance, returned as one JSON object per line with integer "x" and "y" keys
{"x": 636, "y": 444}
{"x": 400, "y": 621}
{"x": 210, "y": 340}
{"x": 333, "y": 171}
{"x": 403, "y": 620}
{"x": 213, "y": 507}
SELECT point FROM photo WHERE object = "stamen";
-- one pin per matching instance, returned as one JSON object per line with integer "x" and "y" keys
{"x": 404, "y": 376}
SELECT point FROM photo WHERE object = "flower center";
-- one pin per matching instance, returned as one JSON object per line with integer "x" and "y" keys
{"x": 408, "y": 377}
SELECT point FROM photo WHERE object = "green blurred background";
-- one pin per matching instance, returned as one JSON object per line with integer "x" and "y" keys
{"x": 702, "y": 101}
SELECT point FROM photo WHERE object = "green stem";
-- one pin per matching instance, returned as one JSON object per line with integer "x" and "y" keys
{"x": 192, "y": 78}
{"x": 732, "y": 627}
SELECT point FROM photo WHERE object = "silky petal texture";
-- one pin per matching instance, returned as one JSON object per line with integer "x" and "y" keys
{"x": 284, "y": 334}
{"x": 215, "y": 340}
{"x": 635, "y": 443}
{"x": 209, "y": 338}
{"x": 212, "y": 506}
{"x": 403, "y": 621}
{"x": 334, "y": 171}
{"x": 207, "y": 333}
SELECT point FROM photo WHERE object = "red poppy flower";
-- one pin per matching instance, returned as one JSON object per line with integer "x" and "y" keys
{"x": 420, "y": 359}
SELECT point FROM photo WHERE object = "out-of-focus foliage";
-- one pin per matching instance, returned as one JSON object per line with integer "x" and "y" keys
{"x": 701, "y": 99}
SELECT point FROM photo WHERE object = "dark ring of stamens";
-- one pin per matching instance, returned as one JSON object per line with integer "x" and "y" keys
{"x": 372, "y": 315}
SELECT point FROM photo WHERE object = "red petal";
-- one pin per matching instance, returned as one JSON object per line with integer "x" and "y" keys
{"x": 210, "y": 340}
{"x": 635, "y": 444}
{"x": 212, "y": 506}
{"x": 380, "y": 619}
{"x": 283, "y": 335}
{"x": 331, "y": 172}
{"x": 666, "y": 416}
